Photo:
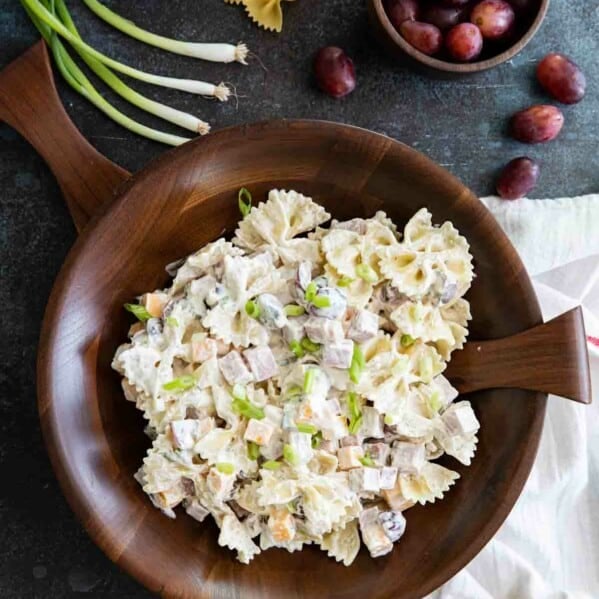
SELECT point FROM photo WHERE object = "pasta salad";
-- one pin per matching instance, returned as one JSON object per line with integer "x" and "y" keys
{"x": 291, "y": 378}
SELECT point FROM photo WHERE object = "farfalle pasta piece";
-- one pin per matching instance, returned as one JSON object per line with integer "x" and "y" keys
{"x": 276, "y": 223}
{"x": 343, "y": 544}
{"x": 268, "y": 14}
{"x": 430, "y": 484}
{"x": 236, "y": 537}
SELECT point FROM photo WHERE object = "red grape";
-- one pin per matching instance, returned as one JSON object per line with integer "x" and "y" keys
{"x": 423, "y": 36}
{"x": 537, "y": 124}
{"x": 401, "y": 10}
{"x": 494, "y": 18}
{"x": 443, "y": 17}
{"x": 334, "y": 71}
{"x": 562, "y": 78}
{"x": 464, "y": 42}
{"x": 518, "y": 178}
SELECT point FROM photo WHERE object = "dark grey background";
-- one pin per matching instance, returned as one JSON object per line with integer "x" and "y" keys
{"x": 43, "y": 550}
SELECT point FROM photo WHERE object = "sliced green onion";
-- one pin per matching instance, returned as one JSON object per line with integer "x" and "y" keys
{"x": 311, "y": 291}
{"x": 355, "y": 412}
{"x": 212, "y": 52}
{"x": 225, "y": 467}
{"x": 425, "y": 366}
{"x": 434, "y": 403}
{"x": 306, "y": 427}
{"x": 182, "y": 383}
{"x": 172, "y": 321}
{"x": 272, "y": 465}
{"x": 246, "y": 408}
{"x": 253, "y": 450}
{"x": 297, "y": 349}
{"x": 367, "y": 273}
{"x": 354, "y": 425}
{"x": 309, "y": 345}
{"x": 294, "y": 310}
{"x": 244, "y": 201}
{"x": 321, "y": 301}
{"x": 316, "y": 439}
{"x": 388, "y": 420}
{"x": 344, "y": 281}
{"x": 309, "y": 380}
{"x": 294, "y": 391}
{"x": 252, "y": 309}
{"x": 290, "y": 455}
{"x": 406, "y": 340}
{"x": 138, "y": 311}
{"x": 367, "y": 461}
{"x": 357, "y": 364}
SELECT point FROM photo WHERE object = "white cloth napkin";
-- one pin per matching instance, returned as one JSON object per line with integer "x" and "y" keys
{"x": 548, "y": 548}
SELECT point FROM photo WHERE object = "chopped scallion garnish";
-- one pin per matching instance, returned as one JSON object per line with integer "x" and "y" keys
{"x": 306, "y": 427}
{"x": 253, "y": 450}
{"x": 311, "y": 291}
{"x": 225, "y": 467}
{"x": 138, "y": 311}
{"x": 357, "y": 364}
{"x": 388, "y": 420}
{"x": 321, "y": 301}
{"x": 366, "y": 273}
{"x": 344, "y": 281}
{"x": 290, "y": 455}
{"x": 406, "y": 340}
{"x": 294, "y": 310}
{"x": 244, "y": 201}
{"x": 182, "y": 383}
{"x": 252, "y": 309}
{"x": 309, "y": 345}
{"x": 316, "y": 439}
{"x": 272, "y": 465}
{"x": 367, "y": 461}
{"x": 355, "y": 412}
{"x": 309, "y": 380}
{"x": 246, "y": 408}
{"x": 172, "y": 321}
{"x": 297, "y": 349}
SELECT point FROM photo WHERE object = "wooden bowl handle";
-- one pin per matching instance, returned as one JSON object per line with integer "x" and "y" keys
{"x": 551, "y": 358}
{"x": 30, "y": 104}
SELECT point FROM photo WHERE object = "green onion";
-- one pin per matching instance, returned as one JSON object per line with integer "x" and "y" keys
{"x": 225, "y": 467}
{"x": 309, "y": 345}
{"x": 253, "y": 450}
{"x": 367, "y": 461}
{"x": 321, "y": 301}
{"x": 182, "y": 383}
{"x": 294, "y": 391}
{"x": 316, "y": 439}
{"x": 272, "y": 465}
{"x": 309, "y": 380}
{"x": 354, "y": 425}
{"x": 344, "y": 281}
{"x": 406, "y": 340}
{"x": 290, "y": 455}
{"x": 138, "y": 311}
{"x": 357, "y": 364}
{"x": 220, "y": 92}
{"x": 367, "y": 273}
{"x": 172, "y": 321}
{"x": 246, "y": 408}
{"x": 294, "y": 310}
{"x": 244, "y": 201}
{"x": 425, "y": 366}
{"x": 388, "y": 420}
{"x": 311, "y": 291}
{"x": 433, "y": 403}
{"x": 306, "y": 427}
{"x": 297, "y": 349}
{"x": 355, "y": 412}
{"x": 212, "y": 52}
{"x": 252, "y": 309}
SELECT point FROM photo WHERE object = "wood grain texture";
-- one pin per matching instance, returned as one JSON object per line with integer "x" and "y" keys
{"x": 30, "y": 104}
{"x": 551, "y": 357}
{"x": 400, "y": 49}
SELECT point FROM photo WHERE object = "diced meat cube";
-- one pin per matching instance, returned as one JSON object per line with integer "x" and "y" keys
{"x": 408, "y": 457}
{"x": 259, "y": 431}
{"x": 220, "y": 484}
{"x": 447, "y": 389}
{"x": 281, "y": 525}
{"x": 335, "y": 428}
{"x": 222, "y": 347}
{"x": 154, "y": 303}
{"x": 364, "y": 326}
{"x": 196, "y": 510}
{"x": 184, "y": 433}
{"x": 350, "y": 440}
{"x": 262, "y": 362}
{"x": 388, "y": 477}
{"x": 373, "y": 533}
{"x": 272, "y": 311}
{"x": 328, "y": 445}
{"x": 301, "y": 443}
{"x": 338, "y": 354}
{"x": 203, "y": 349}
{"x": 377, "y": 452}
{"x": 233, "y": 368}
{"x": 333, "y": 406}
{"x": 290, "y": 409}
{"x": 323, "y": 330}
{"x": 294, "y": 329}
{"x": 459, "y": 419}
{"x": 273, "y": 414}
{"x": 364, "y": 480}
{"x": 337, "y": 303}
{"x": 372, "y": 423}
{"x": 349, "y": 457}
{"x": 395, "y": 498}
{"x": 394, "y": 524}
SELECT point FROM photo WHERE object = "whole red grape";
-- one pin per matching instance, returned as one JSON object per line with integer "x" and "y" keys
{"x": 562, "y": 78}
{"x": 334, "y": 70}
{"x": 518, "y": 178}
{"x": 443, "y": 17}
{"x": 401, "y": 10}
{"x": 494, "y": 18}
{"x": 537, "y": 124}
{"x": 423, "y": 36}
{"x": 464, "y": 42}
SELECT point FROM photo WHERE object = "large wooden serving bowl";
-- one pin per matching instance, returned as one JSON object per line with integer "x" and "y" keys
{"x": 181, "y": 202}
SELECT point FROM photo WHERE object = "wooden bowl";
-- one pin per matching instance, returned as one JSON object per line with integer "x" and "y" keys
{"x": 491, "y": 56}
{"x": 178, "y": 203}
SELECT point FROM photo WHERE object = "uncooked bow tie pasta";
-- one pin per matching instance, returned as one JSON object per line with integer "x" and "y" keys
{"x": 292, "y": 378}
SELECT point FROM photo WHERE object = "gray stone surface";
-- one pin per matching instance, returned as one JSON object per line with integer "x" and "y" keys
{"x": 44, "y": 551}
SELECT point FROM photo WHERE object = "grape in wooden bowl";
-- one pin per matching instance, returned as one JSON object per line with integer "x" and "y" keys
{"x": 452, "y": 38}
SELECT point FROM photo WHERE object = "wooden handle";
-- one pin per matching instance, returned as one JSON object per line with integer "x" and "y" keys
{"x": 29, "y": 102}
{"x": 551, "y": 358}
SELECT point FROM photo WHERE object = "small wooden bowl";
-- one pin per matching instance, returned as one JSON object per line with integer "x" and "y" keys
{"x": 399, "y": 48}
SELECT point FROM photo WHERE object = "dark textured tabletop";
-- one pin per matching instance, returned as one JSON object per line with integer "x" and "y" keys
{"x": 44, "y": 552}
